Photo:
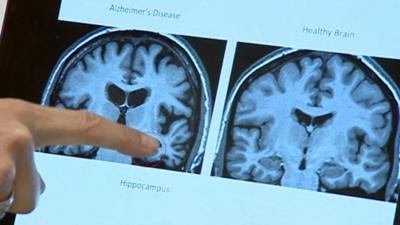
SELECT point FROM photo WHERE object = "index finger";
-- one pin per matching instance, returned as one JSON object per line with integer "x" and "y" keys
{"x": 51, "y": 126}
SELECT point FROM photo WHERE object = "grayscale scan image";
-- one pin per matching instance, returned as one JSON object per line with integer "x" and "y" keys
{"x": 152, "y": 82}
{"x": 313, "y": 120}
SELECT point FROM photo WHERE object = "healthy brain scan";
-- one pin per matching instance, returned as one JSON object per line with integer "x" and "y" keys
{"x": 312, "y": 120}
{"x": 152, "y": 82}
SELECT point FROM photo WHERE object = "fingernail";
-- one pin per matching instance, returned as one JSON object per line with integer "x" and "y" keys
{"x": 151, "y": 143}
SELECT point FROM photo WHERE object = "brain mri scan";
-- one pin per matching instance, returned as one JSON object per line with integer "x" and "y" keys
{"x": 152, "y": 82}
{"x": 313, "y": 120}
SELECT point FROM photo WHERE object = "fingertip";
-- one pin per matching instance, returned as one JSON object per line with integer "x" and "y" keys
{"x": 151, "y": 144}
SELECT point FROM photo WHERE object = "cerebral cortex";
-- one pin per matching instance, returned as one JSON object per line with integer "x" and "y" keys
{"x": 315, "y": 122}
{"x": 140, "y": 82}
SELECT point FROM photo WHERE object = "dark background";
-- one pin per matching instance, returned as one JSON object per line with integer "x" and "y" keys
{"x": 33, "y": 40}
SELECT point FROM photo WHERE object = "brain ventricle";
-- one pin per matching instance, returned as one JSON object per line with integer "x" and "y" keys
{"x": 317, "y": 121}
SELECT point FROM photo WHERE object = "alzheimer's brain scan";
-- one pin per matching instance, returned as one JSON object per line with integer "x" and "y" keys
{"x": 152, "y": 82}
{"x": 313, "y": 120}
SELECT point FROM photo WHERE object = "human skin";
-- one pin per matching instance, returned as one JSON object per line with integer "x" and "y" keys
{"x": 25, "y": 126}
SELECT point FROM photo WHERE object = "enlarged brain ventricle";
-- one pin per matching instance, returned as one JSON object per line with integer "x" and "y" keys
{"x": 146, "y": 81}
{"x": 311, "y": 120}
